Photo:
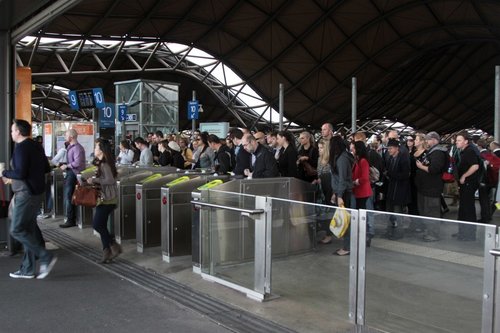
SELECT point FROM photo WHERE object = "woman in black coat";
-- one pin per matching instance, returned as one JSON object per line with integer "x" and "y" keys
{"x": 287, "y": 160}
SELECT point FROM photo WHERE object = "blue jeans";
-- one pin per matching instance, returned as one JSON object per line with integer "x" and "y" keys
{"x": 69, "y": 187}
{"x": 24, "y": 229}
{"x": 100, "y": 224}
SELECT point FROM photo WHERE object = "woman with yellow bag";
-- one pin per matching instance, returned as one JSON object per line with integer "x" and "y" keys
{"x": 341, "y": 164}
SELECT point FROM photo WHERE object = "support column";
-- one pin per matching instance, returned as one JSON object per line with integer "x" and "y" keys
{"x": 496, "y": 117}
{"x": 282, "y": 105}
{"x": 6, "y": 99}
{"x": 354, "y": 110}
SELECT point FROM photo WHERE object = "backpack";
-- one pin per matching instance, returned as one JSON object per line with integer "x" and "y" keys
{"x": 448, "y": 175}
{"x": 490, "y": 169}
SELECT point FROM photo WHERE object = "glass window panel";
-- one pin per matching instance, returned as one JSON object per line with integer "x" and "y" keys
{"x": 418, "y": 284}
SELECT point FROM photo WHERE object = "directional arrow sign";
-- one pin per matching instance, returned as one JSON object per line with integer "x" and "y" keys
{"x": 192, "y": 110}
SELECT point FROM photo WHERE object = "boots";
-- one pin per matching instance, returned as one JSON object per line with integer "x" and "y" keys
{"x": 106, "y": 256}
{"x": 116, "y": 249}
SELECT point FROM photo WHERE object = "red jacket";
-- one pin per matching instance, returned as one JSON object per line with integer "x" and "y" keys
{"x": 361, "y": 172}
{"x": 493, "y": 167}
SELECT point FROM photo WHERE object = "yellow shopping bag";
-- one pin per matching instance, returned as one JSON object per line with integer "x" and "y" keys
{"x": 340, "y": 221}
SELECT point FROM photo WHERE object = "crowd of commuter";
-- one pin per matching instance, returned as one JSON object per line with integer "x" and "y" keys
{"x": 383, "y": 172}
{"x": 408, "y": 172}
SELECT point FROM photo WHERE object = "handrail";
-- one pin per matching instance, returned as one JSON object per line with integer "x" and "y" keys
{"x": 495, "y": 252}
{"x": 236, "y": 209}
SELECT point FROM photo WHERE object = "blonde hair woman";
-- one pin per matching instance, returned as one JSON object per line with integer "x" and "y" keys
{"x": 324, "y": 181}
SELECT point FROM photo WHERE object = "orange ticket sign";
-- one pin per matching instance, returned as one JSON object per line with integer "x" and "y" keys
{"x": 47, "y": 129}
{"x": 84, "y": 129}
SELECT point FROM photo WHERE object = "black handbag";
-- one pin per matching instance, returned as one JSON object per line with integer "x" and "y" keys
{"x": 309, "y": 170}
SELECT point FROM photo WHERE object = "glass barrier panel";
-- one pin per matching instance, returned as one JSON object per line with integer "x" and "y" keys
{"x": 228, "y": 246}
{"x": 305, "y": 269}
{"x": 232, "y": 199}
{"x": 422, "y": 275}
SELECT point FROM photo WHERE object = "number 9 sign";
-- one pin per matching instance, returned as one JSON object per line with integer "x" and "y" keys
{"x": 73, "y": 101}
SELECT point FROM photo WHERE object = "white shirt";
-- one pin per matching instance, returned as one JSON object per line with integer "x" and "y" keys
{"x": 126, "y": 156}
{"x": 61, "y": 157}
{"x": 146, "y": 158}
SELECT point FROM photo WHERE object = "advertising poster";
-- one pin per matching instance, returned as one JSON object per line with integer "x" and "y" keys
{"x": 86, "y": 137}
{"x": 47, "y": 139}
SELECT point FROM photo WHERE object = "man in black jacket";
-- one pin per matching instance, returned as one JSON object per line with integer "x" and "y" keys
{"x": 222, "y": 157}
{"x": 398, "y": 189}
{"x": 430, "y": 185}
{"x": 263, "y": 163}
{"x": 241, "y": 156}
{"x": 27, "y": 179}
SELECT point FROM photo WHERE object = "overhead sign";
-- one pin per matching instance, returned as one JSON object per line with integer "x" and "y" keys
{"x": 219, "y": 129}
{"x": 122, "y": 112}
{"x": 131, "y": 117}
{"x": 86, "y": 99}
{"x": 73, "y": 101}
{"x": 192, "y": 110}
{"x": 107, "y": 116}
{"x": 98, "y": 98}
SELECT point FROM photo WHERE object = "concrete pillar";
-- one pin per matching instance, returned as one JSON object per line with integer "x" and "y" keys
{"x": 6, "y": 98}
{"x": 496, "y": 117}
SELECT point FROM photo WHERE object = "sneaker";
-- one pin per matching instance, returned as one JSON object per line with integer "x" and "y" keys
{"x": 21, "y": 275}
{"x": 46, "y": 268}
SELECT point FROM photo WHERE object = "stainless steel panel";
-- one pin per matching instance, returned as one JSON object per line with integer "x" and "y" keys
{"x": 148, "y": 211}
{"x": 57, "y": 192}
{"x": 196, "y": 232}
{"x": 177, "y": 225}
{"x": 139, "y": 224}
{"x": 84, "y": 216}
{"x": 124, "y": 214}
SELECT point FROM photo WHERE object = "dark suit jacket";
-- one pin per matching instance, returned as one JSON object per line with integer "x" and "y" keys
{"x": 243, "y": 161}
{"x": 265, "y": 165}
{"x": 287, "y": 162}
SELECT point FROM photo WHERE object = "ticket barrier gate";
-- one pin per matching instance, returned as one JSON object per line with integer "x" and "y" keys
{"x": 57, "y": 192}
{"x": 176, "y": 213}
{"x": 125, "y": 211}
{"x": 283, "y": 188}
{"x": 124, "y": 214}
{"x": 122, "y": 173}
{"x": 147, "y": 210}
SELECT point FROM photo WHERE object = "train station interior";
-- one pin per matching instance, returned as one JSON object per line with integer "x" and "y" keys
{"x": 207, "y": 252}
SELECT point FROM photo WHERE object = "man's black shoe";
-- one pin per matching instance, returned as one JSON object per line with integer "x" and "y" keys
{"x": 67, "y": 225}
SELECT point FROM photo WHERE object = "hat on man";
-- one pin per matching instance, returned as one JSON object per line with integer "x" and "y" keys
{"x": 174, "y": 146}
{"x": 393, "y": 143}
{"x": 432, "y": 135}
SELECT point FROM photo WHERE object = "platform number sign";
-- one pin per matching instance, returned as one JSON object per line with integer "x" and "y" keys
{"x": 193, "y": 108}
{"x": 73, "y": 101}
{"x": 98, "y": 98}
{"x": 122, "y": 112}
{"x": 107, "y": 116}
{"x": 86, "y": 99}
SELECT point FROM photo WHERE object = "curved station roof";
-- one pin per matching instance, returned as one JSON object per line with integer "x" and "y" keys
{"x": 427, "y": 64}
